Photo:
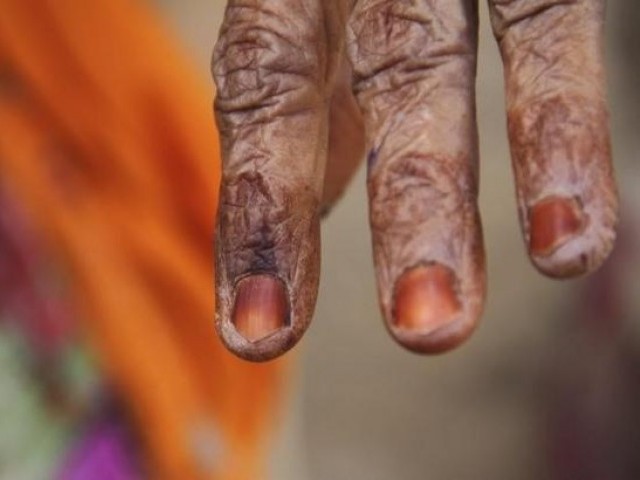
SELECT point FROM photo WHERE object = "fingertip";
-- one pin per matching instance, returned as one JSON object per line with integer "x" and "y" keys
{"x": 553, "y": 222}
{"x": 266, "y": 282}
{"x": 564, "y": 240}
{"x": 425, "y": 298}
{"x": 448, "y": 336}
{"x": 259, "y": 326}
{"x": 577, "y": 257}
{"x": 265, "y": 349}
{"x": 428, "y": 315}
{"x": 260, "y": 308}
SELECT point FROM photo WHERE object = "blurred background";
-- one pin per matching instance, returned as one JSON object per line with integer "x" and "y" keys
{"x": 547, "y": 388}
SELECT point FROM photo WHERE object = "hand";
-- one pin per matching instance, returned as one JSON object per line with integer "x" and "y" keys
{"x": 285, "y": 70}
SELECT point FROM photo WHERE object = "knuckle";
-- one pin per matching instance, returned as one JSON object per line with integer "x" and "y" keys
{"x": 262, "y": 65}
{"x": 550, "y": 47}
{"x": 400, "y": 39}
{"x": 507, "y": 13}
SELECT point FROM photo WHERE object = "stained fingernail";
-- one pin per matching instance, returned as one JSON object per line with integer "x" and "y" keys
{"x": 261, "y": 307}
{"x": 552, "y": 222}
{"x": 425, "y": 298}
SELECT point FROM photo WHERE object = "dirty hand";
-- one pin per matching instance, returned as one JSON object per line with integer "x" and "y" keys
{"x": 306, "y": 87}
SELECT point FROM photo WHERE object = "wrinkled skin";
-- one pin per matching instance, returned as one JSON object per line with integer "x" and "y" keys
{"x": 307, "y": 88}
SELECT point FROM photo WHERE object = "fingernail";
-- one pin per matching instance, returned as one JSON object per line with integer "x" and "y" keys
{"x": 425, "y": 298}
{"x": 261, "y": 307}
{"x": 552, "y": 222}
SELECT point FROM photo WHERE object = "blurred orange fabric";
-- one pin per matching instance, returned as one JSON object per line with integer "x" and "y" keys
{"x": 107, "y": 137}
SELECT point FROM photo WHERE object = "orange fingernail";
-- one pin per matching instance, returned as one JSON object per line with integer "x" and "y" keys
{"x": 261, "y": 307}
{"x": 552, "y": 222}
{"x": 425, "y": 298}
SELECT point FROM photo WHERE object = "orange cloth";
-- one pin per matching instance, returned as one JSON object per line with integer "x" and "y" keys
{"x": 107, "y": 136}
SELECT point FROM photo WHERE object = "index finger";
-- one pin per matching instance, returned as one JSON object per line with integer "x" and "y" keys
{"x": 273, "y": 66}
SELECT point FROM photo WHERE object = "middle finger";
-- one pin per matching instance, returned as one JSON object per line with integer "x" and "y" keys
{"x": 414, "y": 67}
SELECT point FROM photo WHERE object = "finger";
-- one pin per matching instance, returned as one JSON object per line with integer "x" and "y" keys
{"x": 273, "y": 66}
{"x": 346, "y": 139}
{"x": 558, "y": 130}
{"x": 414, "y": 66}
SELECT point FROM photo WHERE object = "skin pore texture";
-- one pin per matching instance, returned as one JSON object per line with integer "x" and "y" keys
{"x": 308, "y": 88}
